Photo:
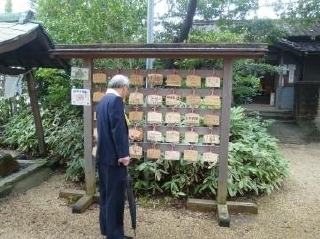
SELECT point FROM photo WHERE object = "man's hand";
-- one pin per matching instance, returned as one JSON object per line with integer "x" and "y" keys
{"x": 125, "y": 161}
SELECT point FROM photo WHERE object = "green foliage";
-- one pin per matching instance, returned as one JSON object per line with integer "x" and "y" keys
{"x": 97, "y": 21}
{"x": 255, "y": 165}
{"x": 244, "y": 88}
{"x": 260, "y": 30}
{"x": 75, "y": 169}
{"x": 300, "y": 12}
{"x": 19, "y": 132}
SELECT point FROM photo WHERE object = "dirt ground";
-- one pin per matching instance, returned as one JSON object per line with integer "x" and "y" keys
{"x": 293, "y": 212}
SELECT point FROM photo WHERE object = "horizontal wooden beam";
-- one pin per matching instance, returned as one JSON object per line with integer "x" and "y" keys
{"x": 211, "y": 205}
{"x": 160, "y": 50}
{"x": 82, "y": 204}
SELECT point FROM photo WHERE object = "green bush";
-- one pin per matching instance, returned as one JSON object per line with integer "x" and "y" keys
{"x": 255, "y": 165}
{"x": 63, "y": 136}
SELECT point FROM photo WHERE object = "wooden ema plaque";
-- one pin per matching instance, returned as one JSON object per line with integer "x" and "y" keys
{"x": 136, "y": 98}
{"x": 154, "y": 117}
{"x": 210, "y": 157}
{"x": 135, "y": 151}
{"x": 212, "y": 100}
{"x": 97, "y": 96}
{"x": 173, "y": 80}
{"x": 173, "y": 118}
{"x": 211, "y": 120}
{"x": 191, "y": 137}
{"x": 212, "y": 81}
{"x": 190, "y": 155}
{"x": 155, "y": 79}
{"x": 99, "y": 78}
{"x": 155, "y": 100}
{"x": 94, "y": 151}
{"x": 192, "y": 119}
{"x": 172, "y": 155}
{"x": 136, "y": 80}
{"x": 153, "y": 153}
{"x": 211, "y": 139}
{"x": 173, "y": 100}
{"x": 154, "y": 136}
{"x": 193, "y": 99}
{"x": 136, "y": 133}
{"x": 193, "y": 81}
{"x": 172, "y": 136}
{"x": 95, "y": 133}
{"x": 135, "y": 116}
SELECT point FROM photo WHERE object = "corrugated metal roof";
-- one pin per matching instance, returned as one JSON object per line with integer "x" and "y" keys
{"x": 25, "y": 44}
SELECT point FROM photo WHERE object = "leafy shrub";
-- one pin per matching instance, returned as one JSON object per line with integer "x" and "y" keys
{"x": 63, "y": 137}
{"x": 255, "y": 165}
{"x": 19, "y": 133}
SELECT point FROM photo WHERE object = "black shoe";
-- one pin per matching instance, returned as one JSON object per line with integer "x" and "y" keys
{"x": 127, "y": 237}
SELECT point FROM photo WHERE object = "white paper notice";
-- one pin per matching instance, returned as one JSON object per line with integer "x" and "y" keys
{"x": 80, "y": 97}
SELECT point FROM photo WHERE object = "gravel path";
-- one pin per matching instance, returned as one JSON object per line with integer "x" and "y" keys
{"x": 293, "y": 212}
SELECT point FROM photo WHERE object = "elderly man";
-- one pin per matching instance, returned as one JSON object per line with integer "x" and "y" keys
{"x": 112, "y": 157}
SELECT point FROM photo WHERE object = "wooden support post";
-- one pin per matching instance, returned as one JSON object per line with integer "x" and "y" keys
{"x": 36, "y": 112}
{"x": 89, "y": 170}
{"x": 223, "y": 215}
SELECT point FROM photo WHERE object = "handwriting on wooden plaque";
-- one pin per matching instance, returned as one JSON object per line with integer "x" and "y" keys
{"x": 172, "y": 155}
{"x": 190, "y": 155}
{"x": 210, "y": 157}
{"x": 135, "y": 151}
{"x": 211, "y": 120}
{"x": 212, "y": 100}
{"x": 193, "y": 81}
{"x": 155, "y": 79}
{"x": 211, "y": 139}
{"x": 154, "y": 117}
{"x": 192, "y": 119}
{"x": 136, "y": 134}
{"x": 173, "y": 80}
{"x": 172, "y": 136}
{"x": 154, "y": 100}
{"x": 172, "y": 118}
{"x": 97, "y": 96}
{"x": 136, "y": 80}
{"x": 173, "y": 100}
{"x": 153, "y": 153}
{"x": 136, "y": 98}
{"x": 193, "y": 99}
{"x": 191, "y": 137}
{"x": 99, "y": 78}
{"x": 136, "y": 116}
{"x": 154, "y": 136}
{"x": 212, "y": 81}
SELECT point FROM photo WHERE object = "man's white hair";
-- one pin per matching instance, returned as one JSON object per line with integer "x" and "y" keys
{"x": 119, "y": 81}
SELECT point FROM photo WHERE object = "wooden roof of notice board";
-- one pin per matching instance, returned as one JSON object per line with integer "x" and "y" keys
{"x": 25, "y": 44}
{"x": 161, "y": 50}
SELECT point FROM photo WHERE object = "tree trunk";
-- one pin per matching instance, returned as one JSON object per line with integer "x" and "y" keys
{"x": 185, "y": 29}
{"x": 36, "y": 112}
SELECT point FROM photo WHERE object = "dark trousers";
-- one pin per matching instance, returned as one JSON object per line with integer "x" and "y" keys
{"x": 112, "y": 197}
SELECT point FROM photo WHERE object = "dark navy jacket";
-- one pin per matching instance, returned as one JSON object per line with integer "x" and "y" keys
{"x": 113, "y": 141}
